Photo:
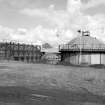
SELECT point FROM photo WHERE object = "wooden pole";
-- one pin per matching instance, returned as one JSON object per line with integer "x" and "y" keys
{"x": 81, "y": 33}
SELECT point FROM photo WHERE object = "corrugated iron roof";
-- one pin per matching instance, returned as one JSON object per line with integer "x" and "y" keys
{"x": 85, "y": 40}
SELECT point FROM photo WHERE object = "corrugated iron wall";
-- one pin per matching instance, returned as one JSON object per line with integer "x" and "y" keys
{"x": 84, "y": 58}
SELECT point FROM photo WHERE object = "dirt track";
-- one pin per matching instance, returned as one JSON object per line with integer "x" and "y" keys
{"x": 39, "y": 84}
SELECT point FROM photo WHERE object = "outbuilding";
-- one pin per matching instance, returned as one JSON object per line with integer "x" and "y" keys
{"x": 50, "y": 55}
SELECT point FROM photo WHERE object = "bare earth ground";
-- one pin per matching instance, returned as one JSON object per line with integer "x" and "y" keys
{"x": 41, "y": 84}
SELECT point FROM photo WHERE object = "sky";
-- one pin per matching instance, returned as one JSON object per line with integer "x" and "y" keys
{"x": 52, "y": 21}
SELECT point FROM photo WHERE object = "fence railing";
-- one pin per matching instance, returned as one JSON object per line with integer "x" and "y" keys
{"x": 82, "y": 47}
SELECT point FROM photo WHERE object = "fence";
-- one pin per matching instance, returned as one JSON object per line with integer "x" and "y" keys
{"x": 82, "y": 47}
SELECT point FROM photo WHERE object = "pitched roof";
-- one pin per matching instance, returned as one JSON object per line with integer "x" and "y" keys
{"x": 50, "y": 50}
{"x": 86, "y": 42}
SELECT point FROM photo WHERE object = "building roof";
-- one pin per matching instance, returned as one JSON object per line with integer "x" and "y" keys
{"x": 50, "y": 50}
{"x": 84, "y": 42}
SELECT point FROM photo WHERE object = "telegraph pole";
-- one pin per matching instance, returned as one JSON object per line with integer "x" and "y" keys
{"x": 80, "y": 46}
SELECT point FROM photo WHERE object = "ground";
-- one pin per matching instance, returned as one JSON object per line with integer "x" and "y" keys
{"x": 42, "y": 84}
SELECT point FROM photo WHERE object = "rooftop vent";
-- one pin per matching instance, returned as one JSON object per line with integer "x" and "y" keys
{"x": 85, "y": 33}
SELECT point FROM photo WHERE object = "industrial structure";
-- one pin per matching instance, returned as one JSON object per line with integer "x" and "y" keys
{"x": 19, "y": 52}
{"x": 83, "y": 49}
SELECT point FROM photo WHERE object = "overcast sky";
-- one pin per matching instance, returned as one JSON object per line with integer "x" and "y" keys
{"x": 40, "y": 21}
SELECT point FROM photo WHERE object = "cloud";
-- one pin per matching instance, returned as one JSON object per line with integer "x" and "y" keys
{"x": 97, "y": 26}
{"x": 35, "y": 35}
{"x": 65, "y": 22}
{"x": 34, "y": 12}
{"x": 92, "y": 3}
{"x": 21, "y": 31}
{"x": 5, "y": 33}
{"x": 73, "y": 6}
{"x": 17, "y": 3}
{"x": 54, "y": 17}
{"x": 62, "y": 19}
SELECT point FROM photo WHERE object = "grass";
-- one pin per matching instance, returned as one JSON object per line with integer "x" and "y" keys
{"x": 98, "y": 66}
{"x": 62, "y": 84}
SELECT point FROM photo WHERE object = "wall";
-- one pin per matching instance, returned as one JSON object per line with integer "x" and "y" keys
{"x": 95, "y": 59}
{"x": 51, "y": 58}
{"x": 85, "y": 58}
{"x": 102, "y": 58}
